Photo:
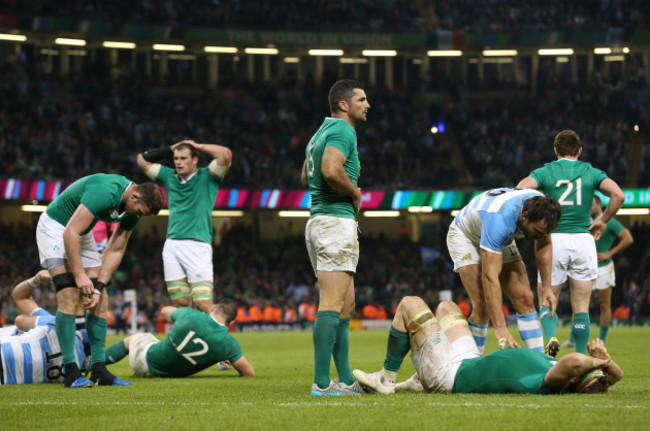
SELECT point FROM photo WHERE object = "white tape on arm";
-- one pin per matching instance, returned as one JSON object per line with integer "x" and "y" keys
{"x": 218, "y": 170}
{"x": 153, "y": 171}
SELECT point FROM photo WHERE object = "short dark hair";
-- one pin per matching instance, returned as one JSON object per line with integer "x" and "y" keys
{"x": 342, "y": 90}
{"x": 228, "y": 309}
{"x": 567, "y": 143}
{"x": 543, "y": 208}
{"x": 593, "y": 381}
{"x": 193, "y": 151}
{"x": 151, "y": 195}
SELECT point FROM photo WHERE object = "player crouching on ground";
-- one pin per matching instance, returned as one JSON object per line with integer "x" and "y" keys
{"x": 196, "y": 342}
{"x": 447, "y": 360}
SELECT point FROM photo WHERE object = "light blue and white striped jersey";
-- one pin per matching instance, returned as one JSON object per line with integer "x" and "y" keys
{"x": 490, "y": 219}
{"x": 35, "y": 356}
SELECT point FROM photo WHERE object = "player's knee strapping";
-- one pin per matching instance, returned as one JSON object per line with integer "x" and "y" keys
{"x": 452, "y": 320}
{"x": 178, "y": 290}
{"x": 421, "y": 320}
{"x": 201, "y": 291}
{"x": 63, "y": 281}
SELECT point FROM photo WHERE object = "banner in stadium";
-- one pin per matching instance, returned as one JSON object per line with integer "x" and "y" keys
{"x": 430, "y": 200}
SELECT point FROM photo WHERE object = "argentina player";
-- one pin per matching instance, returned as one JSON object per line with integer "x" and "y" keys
{"x": 481, "y": 244}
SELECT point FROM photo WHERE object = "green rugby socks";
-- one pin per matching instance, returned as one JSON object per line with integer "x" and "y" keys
{"x": 341, "y": 352}
{"x": 549, "y": 325}
{"x": 580, "y": 330}
{"x": 66, "y": 332}
{"x": 324, "y": 336}
{"x": 116, "y": 352}
{"x": 96, "y": 328}
{"x": 397, "y": 348}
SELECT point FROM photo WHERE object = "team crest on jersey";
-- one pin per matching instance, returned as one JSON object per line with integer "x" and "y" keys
{"x": 114, "y": 214}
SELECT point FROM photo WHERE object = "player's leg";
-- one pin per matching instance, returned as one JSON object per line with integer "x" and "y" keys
{"x": 561, "y": 257}
{"x": 196, "y": 260}
{"x": 341, "y": 349}
{"x": 175, "y": 278}
{"x": 117, "y": 351}
{"x": 470, "y": 276}
{"x": 413, "y": 317}
{"x": 514, "y": 282}
{"x": 580, "y": 296}
{"x": 605, "y": 302}
{"x": 467, "y": 262}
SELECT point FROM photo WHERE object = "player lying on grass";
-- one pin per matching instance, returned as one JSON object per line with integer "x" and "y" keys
{"x": 196, "y": 341}
{"x": 447, "y": 360}
{"x": 30, "y": 350}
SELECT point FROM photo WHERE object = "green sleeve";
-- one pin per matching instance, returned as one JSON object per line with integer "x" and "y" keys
{"x": 538, "y": 175}
{"x": 98, "y": 199}
{"x": 235, "y": 352}
{"x": 165, "y": 174}
{"x": 129, "y": 222}
{"x": 616, "y": 226}
{"x": 341, "y": 140}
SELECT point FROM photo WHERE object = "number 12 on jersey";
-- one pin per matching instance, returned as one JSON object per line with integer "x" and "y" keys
{"x": 190, "y": 355}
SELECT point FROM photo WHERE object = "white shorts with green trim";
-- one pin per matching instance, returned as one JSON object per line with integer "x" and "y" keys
{"x": 187, "y": 258}
{"x": 51, "y": 250}
{"x": 437, "y": 361}
{"x": 332, "y": 244}
{"x": 138, "y": 348}
{"x": 606, "y": 277}
{"x": 463, "y": 251}
{"x": 574, "y": 256}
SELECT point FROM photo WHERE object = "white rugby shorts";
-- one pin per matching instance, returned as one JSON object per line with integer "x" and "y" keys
{"x": 332, "y": 244}
{"x": 138, "y": 348}
{"x": 187, "y": 258}
{"x": 437, "y": 361}
{"x": 606, "y": 277}
{"x": 463, "y": 251}
{"x": 574, "y": 256}
{"x": 51, "y": 250}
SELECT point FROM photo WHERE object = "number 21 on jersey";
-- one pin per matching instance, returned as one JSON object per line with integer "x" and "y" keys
{"x": 569, "y": 188}
{"x": 190, "y": 355}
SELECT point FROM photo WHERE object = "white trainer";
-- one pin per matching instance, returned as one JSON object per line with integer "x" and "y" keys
{"x": 374, "y": 382}
{"x": 413, "y": 384}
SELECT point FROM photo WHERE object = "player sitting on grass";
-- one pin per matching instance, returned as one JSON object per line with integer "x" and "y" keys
{"x": 196, "y": 341}
{"x": 30, "y": 351}
{"x": 447, "y": 360}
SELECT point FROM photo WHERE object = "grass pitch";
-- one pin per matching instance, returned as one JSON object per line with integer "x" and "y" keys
{"x": 278, "y": 397}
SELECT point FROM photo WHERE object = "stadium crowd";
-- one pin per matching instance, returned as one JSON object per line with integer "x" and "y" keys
{"x": 60, "y": 129}
{"x": 303, "y": 15}
{"x": 269, "y": 285}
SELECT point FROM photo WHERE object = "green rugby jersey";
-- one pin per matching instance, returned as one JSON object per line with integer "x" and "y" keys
{"x": 519, "y": 371}
{"x": 190, "y": 204}
{"x": 572, "y": 183}
{"x": 101, "y": 194}
{"x": 614, "y": 227}
{"x": 195, "y": 343}
{"x": 334, "y": 132}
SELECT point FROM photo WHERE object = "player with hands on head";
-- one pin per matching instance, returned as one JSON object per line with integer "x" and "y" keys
{"x": 191, "y": 195}
{"x": 481, "y": 243}
{"x": 67, "y": 248}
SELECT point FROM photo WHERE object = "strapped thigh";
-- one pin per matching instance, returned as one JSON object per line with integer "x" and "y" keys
{"x": 201, "y": 291}
{"x": 421, "y": 320}
{"x": 178, "y": 289}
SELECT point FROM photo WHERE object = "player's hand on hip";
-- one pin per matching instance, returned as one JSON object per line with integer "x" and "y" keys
{"x": 597, "y": 228}
{"x": 505, "y": 338}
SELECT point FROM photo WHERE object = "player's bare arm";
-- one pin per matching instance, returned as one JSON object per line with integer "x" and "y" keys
{"x": 544, "y": 259}
{"x": 597, "y": 350}
{"x": 78, "y": 223}
{"x": 303, "y": 175}
{"x": 112, "y": 257}
{"x": 243, "y": 367}
{"x": 166, "y": 313}
{"x": 336, "y": 176}
{"x": 491, "y": 269}
{"x": 22, "y": 292}
{"x": 625, "y": 240}
{"x": 616, "y": 198}
{"x": 528, "y": 183}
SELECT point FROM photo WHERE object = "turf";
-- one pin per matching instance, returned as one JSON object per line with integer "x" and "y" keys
{"x": 278, "y": 397}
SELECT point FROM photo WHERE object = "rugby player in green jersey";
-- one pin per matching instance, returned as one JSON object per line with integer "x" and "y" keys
{"x": 67, "y": 248}
{"x": 196, "y": 341}
{"x": 330, "y": 171}
{"x": 606, "y": 276}
{"x": 573, "y": 184}
{"x": 191, "y": 194}
{"x": 447, "y": 360}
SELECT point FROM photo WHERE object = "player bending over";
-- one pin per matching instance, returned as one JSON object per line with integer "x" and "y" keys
{"x": 447, "y": 360}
